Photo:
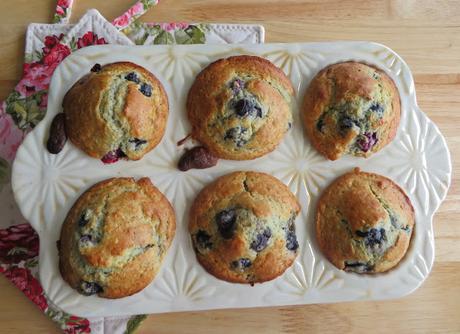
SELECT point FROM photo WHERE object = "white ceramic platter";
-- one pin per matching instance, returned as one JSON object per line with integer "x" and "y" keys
{"x": 46, "y": 186}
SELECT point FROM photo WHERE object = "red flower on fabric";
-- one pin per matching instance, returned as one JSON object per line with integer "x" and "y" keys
{"x": 17, "y": 243}
{"x": 56, "y": 55}
{"x": 37, "y": 75}
{"x": 60, "y": 11}
{"x": 64, "y": 3}
{"x": 50, "y": 42}
{"x": 29, "y": 285}
{"x": 121, "y": 21}
{"x": 90, "y": 38}
{"x": 76, "y": 325}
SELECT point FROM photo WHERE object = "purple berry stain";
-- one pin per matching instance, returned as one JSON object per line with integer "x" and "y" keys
{"x": 367, "y": 141}
{"x": 113, "y": 156}
{"x": 237, "y": 85}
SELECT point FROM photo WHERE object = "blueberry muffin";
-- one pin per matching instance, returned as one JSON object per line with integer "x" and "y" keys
{"x": 117, "y": 111}
{"x": 115, "y": 237}
{"x": 351, "y": 108}
{"x": 364, "y": 223}
{"x": 240, "y": 107}
{"x": 242, "y": 227}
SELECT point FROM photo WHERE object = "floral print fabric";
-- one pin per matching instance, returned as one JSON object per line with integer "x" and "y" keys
{"x": 63, "y": 10}
{"x": 132, "y": 14}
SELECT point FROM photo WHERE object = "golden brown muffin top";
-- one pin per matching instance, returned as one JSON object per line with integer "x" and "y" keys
{"x": 351, "y": 107}
{"x": 115, "y": 237}
{"x": 118, "y": 110}
{"x": 240, "y": 107}
{"x": 364, "y": 222}
{"x": 243, "y": 229}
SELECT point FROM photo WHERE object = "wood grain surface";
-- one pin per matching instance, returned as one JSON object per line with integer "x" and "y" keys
{"x": 426, "y": 33}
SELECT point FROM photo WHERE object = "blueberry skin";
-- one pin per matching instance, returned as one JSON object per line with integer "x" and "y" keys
{"x": 358, "y": 267}
{"x": 246, "y": 107}
{"x": 146, "y": 89}
{"x": 377, "y": 108}
{"x": 345, "y": 124}
{"x": 82, "y": 221}
{"x": 261, "y": 241}
{"x": 90, "y": 288}
{"x": 226, "y": 223}
{"x": 96, "y": 68}
{"x": 373, "y": 238}
{"x": 242, "y": 263}
{"x": 86, "y": 240}
{"x": 203, "y": 240}
{"x": 320, "y": 125}
{"x": 291, "y": 241}
{"x": 235, "y": 134}
{"x": 138, "y": 142}
{"x": 291, "y": 238}
{"x": 406, "y": 229}
{"x": 132, "y": 77}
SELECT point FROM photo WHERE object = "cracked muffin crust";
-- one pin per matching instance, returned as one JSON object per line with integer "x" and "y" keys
{"x": 240, "y": 107}
{"x": 117, "y": 111}
{"x": 243, "y": 227}
{"x": 364, "y": 222}
{"x": 115, "y": 237}
{"x": 351, "y": 108}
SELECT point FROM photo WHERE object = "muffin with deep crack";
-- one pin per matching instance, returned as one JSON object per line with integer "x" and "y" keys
{"x": 243, "y": 227}
{"x": 364, "y": 223}
{"x": 351, "y": 108}
{"x": 240, "y": 107}
{"x": 115, "y": 238}
{"x": 116, "y": 111}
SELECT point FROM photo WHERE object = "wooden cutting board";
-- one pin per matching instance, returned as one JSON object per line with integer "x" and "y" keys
{"x": 426, "y": 33}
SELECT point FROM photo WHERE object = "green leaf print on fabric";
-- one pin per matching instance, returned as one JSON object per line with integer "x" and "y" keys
{"x": 164, "y": 37}
{"x": 141, "y": 40}
{"x": 32, "y": 263}
{"x": 26, "y": 112}
{"x": 191, "y": 35}
{"x": 73, "y": 44}
{"x": 134, "y": 323}
{"x": 148, "y": 3}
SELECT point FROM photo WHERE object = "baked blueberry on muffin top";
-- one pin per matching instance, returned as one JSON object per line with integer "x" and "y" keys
{"x": 351, "y": 108}
{"x": 115, "y": 237}
{"x": 243, "y": 227}
{"x": 364, "y": 223}
{"x": 116, "y": 111}
{"x": 240, "y": 107}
